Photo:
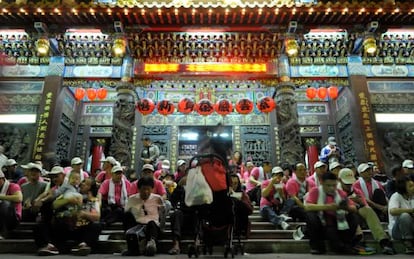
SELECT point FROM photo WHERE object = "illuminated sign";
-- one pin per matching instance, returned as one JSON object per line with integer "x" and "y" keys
{"x": 204, "y": 68}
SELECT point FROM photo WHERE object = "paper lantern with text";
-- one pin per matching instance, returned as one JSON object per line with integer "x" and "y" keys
{"x": 204, "y": 107}
{"x": 311, "y": 92}
{"x": 185, "y": 105}
{"x": 101, "y": 93}
{"x": 145, "y": 106}
{"x": 266, "y": 104}
{"x": 79, "y": 93}
{"x": 333, "y": 92}
{"x": 244, "y": 106}
{"x": 165, "y": 107}
{"x": 91, "y": 93}
{"x": 322, "y": 92}
{"x": 223, "y": 107}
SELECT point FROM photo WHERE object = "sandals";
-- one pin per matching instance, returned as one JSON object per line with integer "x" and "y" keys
{"x": 174, "y": 251}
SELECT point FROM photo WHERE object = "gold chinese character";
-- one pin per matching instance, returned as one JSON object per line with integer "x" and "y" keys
{"x": 49, "y": 95}
{"x": 371, "y": 143}
{"x": 365, "y": 122}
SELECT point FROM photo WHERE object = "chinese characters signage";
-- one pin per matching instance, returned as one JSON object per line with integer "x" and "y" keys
{"x": 42, "y": 128}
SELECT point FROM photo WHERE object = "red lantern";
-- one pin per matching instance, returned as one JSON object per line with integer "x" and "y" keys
{"x": 79, "y": 93}
{"x": 223, "y": 107}
{"x": 101, "y": 93}
{"x": 266, "y": 104}
{"x": 185, "y": 105}
{"x": 165, "y": 107}
{"x": 244, "y": 106}
{"x": 145, "y": 106}
{"x": 311, "y": 92}
{"x": 91, "y": 92}
{"x": 333, "y": 92}
{"x": 204, "y": 107}
{"x": 322, "y": 92}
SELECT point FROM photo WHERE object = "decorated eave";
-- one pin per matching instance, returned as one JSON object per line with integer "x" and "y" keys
{"x": 132, "y": 13}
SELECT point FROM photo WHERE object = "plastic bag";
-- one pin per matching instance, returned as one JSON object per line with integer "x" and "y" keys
{"x": 197, "y": 190}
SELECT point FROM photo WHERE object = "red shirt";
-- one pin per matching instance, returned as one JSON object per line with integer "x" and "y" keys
{"x": 104, "y": 189}
{"x": 292, "y": 187}
{"x": 357, "y": 186}
{"x": 13, "y": 188}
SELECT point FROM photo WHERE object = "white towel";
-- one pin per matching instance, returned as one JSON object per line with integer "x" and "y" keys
{"x": 5, "y": 187}
{"x": 365, "y": 189}
{"x": 111, "y": 193}
{"x": 340, "y": 214}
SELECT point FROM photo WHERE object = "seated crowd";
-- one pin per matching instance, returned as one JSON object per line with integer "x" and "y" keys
{"x": 337, "y": 202}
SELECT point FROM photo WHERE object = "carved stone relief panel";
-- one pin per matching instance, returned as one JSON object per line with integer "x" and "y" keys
{"x": 63, "y": 144}
{"x": 160, "y": 136}
{"x": 17, "y": 141}
{"x": 256, "y": 144}
{"x": 346, "y": 137}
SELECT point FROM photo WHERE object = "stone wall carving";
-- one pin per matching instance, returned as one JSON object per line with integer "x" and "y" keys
{"x": 256, "y": 144}
{"x": 63, "y": 145}
{"x": 346, "y": 137}
{"x": 17, "y": 141}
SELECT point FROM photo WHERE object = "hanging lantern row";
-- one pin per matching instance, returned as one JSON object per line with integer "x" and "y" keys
{"x": 322, "y": 92}
{"x": 205, "y": 107}
{"x": 91, "y": 93}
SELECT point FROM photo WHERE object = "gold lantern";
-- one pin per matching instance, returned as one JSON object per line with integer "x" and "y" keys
{"x": 370, "y": 45}
{"x": 42, "y": 46}
{"x": 119, "y": 47}
{"x": 291, "y": 47}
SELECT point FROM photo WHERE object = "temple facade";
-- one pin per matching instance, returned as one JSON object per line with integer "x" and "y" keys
{"x": 90, "y": 79}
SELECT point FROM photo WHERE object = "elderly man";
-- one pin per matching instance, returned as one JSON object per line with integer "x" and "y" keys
{"x": 12, "y": 171}
{"x": 296, "y": 189}
{"x": 108, "y": 163}
{"x": 113, "y": 196}
{"x": 31, "y": 191}
{"x": 373, "y": 191}
{"x": 346, "y": 179}
{"x": 408, "y": 166}
{"x": 77, "y": 166}
{"x": 320, "y": 169}
{"x": 10, "y": 205}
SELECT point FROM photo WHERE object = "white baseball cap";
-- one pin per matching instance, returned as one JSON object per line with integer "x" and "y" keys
{"x": 347, "y": 176}
{"x": 165, "y": 164}
{"x": 334, "y": 165}
{"x": 10, "y": 162}
{"x": 76, "y": 161}
{"x": 180, "y": 162}
{"x": 117, "y": 168}
{"x": 318, "y": 164}
{"x": 110, "y": 159}
{"x": 408, "y": 164}
{"x": 148, "y": 166}
{"x": 277, "y": 170}
{"x": 56, "y": 170}
{"x": 33, "y": 166}
{"x": 363, "y": 167}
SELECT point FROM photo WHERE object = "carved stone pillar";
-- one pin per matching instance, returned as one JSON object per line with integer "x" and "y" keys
{"x": 312, "y": 153}
{"x": 123, "y": 122}
{"x": 291, "y": 150}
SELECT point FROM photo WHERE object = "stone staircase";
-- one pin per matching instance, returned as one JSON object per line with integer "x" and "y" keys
{"x": 264, "y": 238}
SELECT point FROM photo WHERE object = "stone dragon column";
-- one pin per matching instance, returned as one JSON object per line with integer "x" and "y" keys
{"x": 123, "y": 123}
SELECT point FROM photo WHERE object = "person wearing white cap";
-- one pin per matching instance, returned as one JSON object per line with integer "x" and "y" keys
{"x": 148, "y": 170}
{"x": 108, "y": 163}
{"x": 181, "y": 170}
{"x": 408, "y": 166}
{"x": 165, "y": 169}
{"x": 10, "y": 205}
{"x": 76, "y": 165}
{"x": 373, "y": 190}
{"x": 346, "y": 179}
{"x": 32, "y": 190}
{"x": 330, "y": 216}
{"x": 113, "y": 194}
{"x": 320, "y": 169}
{"x": 331, "y": 152}
{"x": 273, "y": 195}
{"x": 334, "y": 167}
{"x": 296, "y": 189}
{"x": 12, "y": 171}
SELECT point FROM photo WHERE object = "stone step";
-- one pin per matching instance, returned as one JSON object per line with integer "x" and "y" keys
{"x": 249, "y": 245}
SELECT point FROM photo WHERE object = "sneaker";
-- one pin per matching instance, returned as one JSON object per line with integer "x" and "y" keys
{"x": 361, "y": 250}
{"x": 298, "y": 234}
{"x": 151, "y": 248}
{"x": 285, "y": 217}
{"x": 2, "y": 237}
{"x": 48, "y": 250}
{"x": 284, "y": 225}
{"x": 82, "y": 249}
{"x": 388, "y": 250}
